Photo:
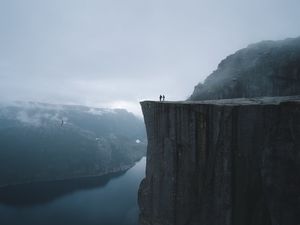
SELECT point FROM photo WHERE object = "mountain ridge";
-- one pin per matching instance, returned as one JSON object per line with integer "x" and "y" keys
{"x": 54, "y": 142}
{"x": 267, "y": 68}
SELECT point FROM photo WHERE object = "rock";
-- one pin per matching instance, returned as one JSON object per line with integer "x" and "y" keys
{"x": 268, "y": 68}
{"x": 229, "y": 162}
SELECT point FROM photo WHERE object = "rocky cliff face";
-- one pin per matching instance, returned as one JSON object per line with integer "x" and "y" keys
{"x": 229, "y": 162}
{"x": 268, "y": 68}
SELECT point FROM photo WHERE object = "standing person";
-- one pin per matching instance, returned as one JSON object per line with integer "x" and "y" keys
{"x": 163, "y": 97}
{"x": 160, "y": 98}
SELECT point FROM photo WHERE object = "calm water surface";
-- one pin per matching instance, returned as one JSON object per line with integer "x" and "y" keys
{"x": 108, "y": 200}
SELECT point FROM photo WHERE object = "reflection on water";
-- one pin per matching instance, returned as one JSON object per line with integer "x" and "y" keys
{"x": 44, "y": 192}
{"x": 108, "y": 200}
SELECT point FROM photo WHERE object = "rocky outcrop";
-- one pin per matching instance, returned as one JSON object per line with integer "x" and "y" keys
{"x": 229, "y": 162}
{"x": 268, "y": 68}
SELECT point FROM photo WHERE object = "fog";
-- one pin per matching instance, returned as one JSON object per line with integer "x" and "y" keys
{"x": 115, "y": 53}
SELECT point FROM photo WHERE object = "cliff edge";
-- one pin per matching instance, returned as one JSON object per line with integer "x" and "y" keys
{"x": 229, "y": 162}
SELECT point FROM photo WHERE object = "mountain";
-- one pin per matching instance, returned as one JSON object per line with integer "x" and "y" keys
{"x": 49, "y": 142}
{"x": 228, "y": 156}
{"x": 268, "y": 68}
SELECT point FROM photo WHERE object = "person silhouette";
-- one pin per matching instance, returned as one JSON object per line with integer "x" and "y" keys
{"x": 160, "y": 97}
{"x": 163, "y": 97}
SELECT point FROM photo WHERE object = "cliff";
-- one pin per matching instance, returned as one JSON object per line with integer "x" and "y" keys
{"x": 229, "y": 162}
{"x": 268, "y": 68}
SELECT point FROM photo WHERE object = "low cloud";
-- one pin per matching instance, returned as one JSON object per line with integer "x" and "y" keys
{"x": 117, "y": 53}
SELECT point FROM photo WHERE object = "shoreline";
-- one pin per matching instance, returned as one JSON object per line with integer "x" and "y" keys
{"x": 112, "y": 171}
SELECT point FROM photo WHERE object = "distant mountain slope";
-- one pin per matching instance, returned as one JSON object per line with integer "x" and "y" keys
{"x": 47, "y": 142}
{"x": 268, "y": 68}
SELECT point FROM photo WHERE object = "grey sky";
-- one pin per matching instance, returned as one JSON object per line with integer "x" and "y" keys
{"x": 114, "y": 53}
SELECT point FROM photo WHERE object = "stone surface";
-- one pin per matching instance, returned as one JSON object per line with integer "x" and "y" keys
{"x": 229, "y": 162}
{"x": 268, "y": 68}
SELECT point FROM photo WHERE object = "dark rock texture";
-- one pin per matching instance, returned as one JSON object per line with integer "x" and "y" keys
{"x": 268, "y": 68}
{"x": 226, "y": 162}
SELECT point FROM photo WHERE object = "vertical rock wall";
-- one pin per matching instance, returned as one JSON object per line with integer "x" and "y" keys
{"x": 222, "y": 162}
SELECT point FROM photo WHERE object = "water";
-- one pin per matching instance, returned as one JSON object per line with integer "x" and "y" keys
{"x": 108, "y": 200}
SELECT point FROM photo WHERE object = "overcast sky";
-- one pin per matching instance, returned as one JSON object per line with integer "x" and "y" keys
{"x": 115, "y": 53}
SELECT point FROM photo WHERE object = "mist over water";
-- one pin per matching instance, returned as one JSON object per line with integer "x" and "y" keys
{"x": 108, "y": 200}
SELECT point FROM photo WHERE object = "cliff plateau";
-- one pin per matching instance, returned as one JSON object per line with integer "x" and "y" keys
{"x": 229, "y": 162}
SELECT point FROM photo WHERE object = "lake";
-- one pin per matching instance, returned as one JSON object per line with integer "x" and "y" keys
{"x": 106, "y": 200}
